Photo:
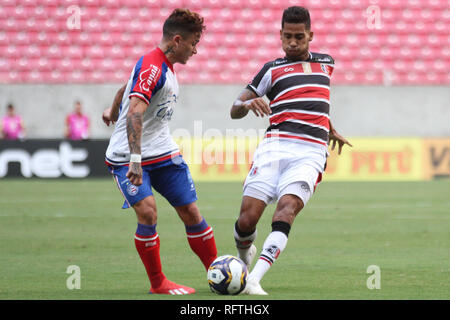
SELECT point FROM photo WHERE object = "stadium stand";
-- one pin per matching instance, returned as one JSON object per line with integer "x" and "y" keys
{"x": 397, "y": 42}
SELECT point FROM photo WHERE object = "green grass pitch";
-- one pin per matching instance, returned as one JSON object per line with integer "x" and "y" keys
{"x": 402, "y": 227}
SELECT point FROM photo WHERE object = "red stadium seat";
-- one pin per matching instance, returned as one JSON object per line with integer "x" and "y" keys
{"x": 213, "y": 3}
{"x": 15, "y": 76}
{"x": 233, "y": 4}
{"x": 239, "y": 38}
{"x": 32, "y": 51}
{"x": 58, "y": 76}
{"x": 194, "y": 4}
{"x": 8, "y": 3}
{"x": 148, "y": 3}
{"x": 96, "y": 52}
{"x": 5, "y": 65}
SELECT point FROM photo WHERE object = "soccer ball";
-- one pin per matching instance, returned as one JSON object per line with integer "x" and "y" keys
{"x": 227, "y": 275}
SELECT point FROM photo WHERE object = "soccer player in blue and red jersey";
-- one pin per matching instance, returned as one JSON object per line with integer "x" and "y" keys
{"x": 142, "y": 154}
{"x": 290, "y": 160}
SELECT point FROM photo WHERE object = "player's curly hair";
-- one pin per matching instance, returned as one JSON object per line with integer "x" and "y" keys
{"x": 296, "y": 14}
{"x": 183, "y": 22}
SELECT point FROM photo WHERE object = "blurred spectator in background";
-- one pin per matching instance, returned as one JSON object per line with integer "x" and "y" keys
{"x": 77, "y": 124}
{"x": 12, "y": 127}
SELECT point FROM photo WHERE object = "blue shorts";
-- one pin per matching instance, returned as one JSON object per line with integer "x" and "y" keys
{"x": 171, "y": 178}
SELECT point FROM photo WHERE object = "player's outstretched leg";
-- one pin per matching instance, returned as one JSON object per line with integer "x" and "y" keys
{"x": 245, "y": 227}
{"x": 253, "y": 287}
{"x": 244, "y": 244}
{"x": 275, "y": 243}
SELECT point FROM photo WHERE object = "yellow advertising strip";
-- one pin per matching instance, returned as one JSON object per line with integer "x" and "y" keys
{"x": 396, "y": 159}
{"x": 437, "y": 157}
{"x": 371, "y": 159}
{"x": 218, "y": 158}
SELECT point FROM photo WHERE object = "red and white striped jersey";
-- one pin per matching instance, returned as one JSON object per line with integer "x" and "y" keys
{"x": 299, "y": 94}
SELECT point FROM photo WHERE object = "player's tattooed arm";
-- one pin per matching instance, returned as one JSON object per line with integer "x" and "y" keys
{"x": 335, "y": 137}
{"x": 111, "y": 114}
{"x": 134, "y": 134}
{"x": 248, "y": 100}
{"x": 134, "y": 131}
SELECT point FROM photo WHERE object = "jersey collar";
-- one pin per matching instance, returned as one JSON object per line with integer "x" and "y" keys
{"x": 309, "y": 58}
{"x": 161, "y": 53}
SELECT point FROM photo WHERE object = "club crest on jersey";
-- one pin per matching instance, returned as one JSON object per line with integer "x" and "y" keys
{"x": 254, "y": 171}
{"x": 132, "y": 190}
{"x": 148, "y": 77}
{"x": 325, "y": 68}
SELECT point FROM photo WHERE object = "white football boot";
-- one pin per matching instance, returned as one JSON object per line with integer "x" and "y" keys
{"x": 247, "y": 256}
{"x": 253, "y": 287}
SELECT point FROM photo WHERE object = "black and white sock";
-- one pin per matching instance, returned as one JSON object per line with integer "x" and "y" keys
{"x": 275, "y": 243}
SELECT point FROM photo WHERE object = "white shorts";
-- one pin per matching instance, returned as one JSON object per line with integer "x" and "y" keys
{"x": 285, "y": 167}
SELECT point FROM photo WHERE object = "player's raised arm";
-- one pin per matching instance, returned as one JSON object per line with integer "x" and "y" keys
{"x": 134, "y": 133}
{"x": 111, "y": 114}
{"x": 248, "y": 100}
{"x": 335, "y": 137}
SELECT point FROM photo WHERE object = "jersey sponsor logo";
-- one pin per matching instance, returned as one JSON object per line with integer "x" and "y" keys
{"x": 119, "y": 155}
{"x": 280, "y": 61}
{"x": 148, "y": 78}
{"x": 166, "y": 110}
{"x": 165, "y": 113}
{"x": 170, "y": 98}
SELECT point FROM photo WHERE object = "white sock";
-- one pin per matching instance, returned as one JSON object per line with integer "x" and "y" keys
{"x": 275, "y": 243}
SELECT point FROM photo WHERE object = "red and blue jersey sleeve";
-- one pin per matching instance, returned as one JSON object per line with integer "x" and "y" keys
{"x": 149, "y": 77}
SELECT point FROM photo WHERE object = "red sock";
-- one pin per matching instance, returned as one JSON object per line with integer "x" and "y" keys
{"x": 148, "y": 249}
{"x": 203, "y": 244}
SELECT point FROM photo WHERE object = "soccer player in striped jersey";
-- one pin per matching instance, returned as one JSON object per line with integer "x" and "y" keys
{"x": 289, "y": 162}
{"x": 142, "y": 154}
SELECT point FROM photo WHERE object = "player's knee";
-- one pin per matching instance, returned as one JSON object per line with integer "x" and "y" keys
{"x": 290, "y": 203}
{"x": 249, "y": 216}
{"x": 189, "y": 214}
{"x": 146, "y": 212}
{"x": 192, "y": 209}
{"x": 288, "y": 207}
{"x": 246, "y": 223}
